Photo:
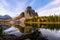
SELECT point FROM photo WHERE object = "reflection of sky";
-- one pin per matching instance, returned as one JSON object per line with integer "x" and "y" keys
{"x": 52, "y": 35}
{"x": 13, "y": 30}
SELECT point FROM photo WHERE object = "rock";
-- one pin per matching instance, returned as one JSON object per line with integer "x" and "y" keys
{"x": 28, "y": 12}
{"x": 36, "y": 35}
{"x": 9, "y": 37}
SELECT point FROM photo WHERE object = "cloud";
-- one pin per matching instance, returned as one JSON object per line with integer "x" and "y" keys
{"x": 4, "y": 2}
{"x": 50, "y": 9}
{"x": 6, "y": 12}
{"x": 20, "y": 6}
{"x": 5, "y": 8}
{"x": 32, "y": 3}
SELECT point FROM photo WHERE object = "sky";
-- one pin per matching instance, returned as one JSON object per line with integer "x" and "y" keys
{"x": 42, "y": 7}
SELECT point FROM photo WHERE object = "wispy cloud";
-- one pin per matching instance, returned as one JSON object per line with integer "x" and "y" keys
{"x": 15, "y": 7}
{"x": 19, "y": 6}
{"x": 32, "y": 3}
{"x": 4, "y": 2}
{"x": 50, "y": 8}
{"x": 5, "y": 8}
{"x": 6, "y": 12}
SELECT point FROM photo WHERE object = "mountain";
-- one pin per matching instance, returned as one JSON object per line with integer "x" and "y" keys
{"x": 28, "y": 12}
{"x": 5, "y": 17}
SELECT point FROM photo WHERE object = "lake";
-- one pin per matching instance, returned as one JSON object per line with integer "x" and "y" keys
{"x": 51, "y": 34}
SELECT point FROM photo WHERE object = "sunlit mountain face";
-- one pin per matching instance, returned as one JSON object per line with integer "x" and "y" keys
{"x": 43, "y": 7}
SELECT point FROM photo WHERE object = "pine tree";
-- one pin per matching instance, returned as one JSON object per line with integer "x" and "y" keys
{"x": 1, "y": 30}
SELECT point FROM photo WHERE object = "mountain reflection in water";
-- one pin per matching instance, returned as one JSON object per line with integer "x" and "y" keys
{"x": 51, "y": 34}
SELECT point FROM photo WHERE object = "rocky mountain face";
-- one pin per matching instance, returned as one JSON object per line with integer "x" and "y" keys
{"x": 28, "y": 12}
{"x": 5, "y": 17}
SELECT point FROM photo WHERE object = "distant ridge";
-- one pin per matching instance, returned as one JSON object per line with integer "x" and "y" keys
{"x": 5, "y": 17}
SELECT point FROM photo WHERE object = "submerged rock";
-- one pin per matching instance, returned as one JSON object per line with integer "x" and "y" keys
{"x": 9, "y": 37}
{"x": 36, "y": 35}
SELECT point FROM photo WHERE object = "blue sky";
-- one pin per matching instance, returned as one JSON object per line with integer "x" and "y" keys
{"x": 42, "y": 7}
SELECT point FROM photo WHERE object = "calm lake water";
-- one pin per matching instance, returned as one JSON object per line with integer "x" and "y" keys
{"x": 51, "y": 34}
